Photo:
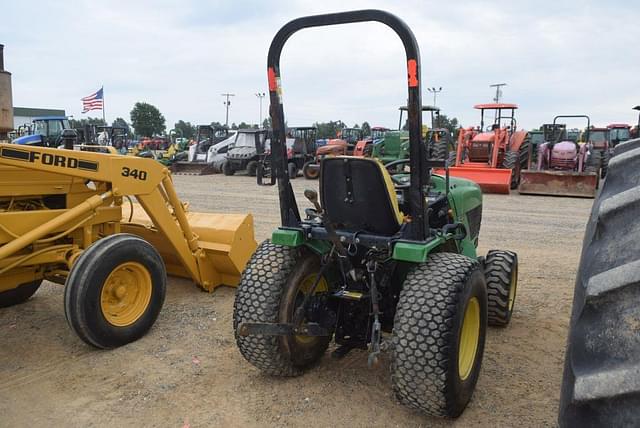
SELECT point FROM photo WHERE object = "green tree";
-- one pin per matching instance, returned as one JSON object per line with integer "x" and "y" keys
{"x": 234, "y": 126}
{"x": 120, "y": 122}
{"x": 243, "y": 125}
{"x": 217, "y": 125}
{"x": 147, "y": 120}
{"x": 366, "y": 128}
{"x": 329, "y": 129}
{"x": 452, "y": 124}
{"x": 266, "y": 123}
{"x": 188, "y": 130}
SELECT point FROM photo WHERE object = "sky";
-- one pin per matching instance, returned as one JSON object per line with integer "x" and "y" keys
{"x": 557, "y": 57}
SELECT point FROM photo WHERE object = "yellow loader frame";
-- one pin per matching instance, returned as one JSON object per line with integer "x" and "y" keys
{"x": 54, "y": 204}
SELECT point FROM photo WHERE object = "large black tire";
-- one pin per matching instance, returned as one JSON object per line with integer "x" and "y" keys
{"x": 20, "y": 294}
{"x": 292, "y": 170}
{"x": 440, "y": 149}
{"x": 427, "y": 372}
{"x": 115, "y": 291}
{"x": 227, "y": 168}
{"x": 309, "y": 172}
{"x": 268, "y": 293}
{"x": 501, "y": 274}
{"x": 601, "y": 382}
{"x": 517, "y": 161}
{"x": 252, "y": 168}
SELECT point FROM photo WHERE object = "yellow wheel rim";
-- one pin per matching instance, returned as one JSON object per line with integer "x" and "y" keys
{"x": 126, "y": 294}
{"x": 512, "y": 288}
{"x": 304, "y": 288}
{"x": 469, "y": 338}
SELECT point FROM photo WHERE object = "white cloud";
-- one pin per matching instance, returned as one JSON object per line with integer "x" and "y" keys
{"x": 557, "y": 57}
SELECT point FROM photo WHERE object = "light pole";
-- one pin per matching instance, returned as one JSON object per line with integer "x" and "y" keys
{"x": 498, "y": 91}
{"x": 227, "y": 103}
{"x": 435, "y": 92}
{"x": 260, "y": 96}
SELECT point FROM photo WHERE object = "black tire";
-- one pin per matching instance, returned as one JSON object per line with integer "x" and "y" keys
{"x": 309, "y": 172}
{"x": 501, "y": 275}
{"x": 451, "y": 160}
{"x": 267, "y": 293}
{"x": 252, "y": 168}
{"x": 292, "y": 170}
{"x": 601, "y": 381}
{"x": 85, "y": 294}
{"x": 510, "y": 161}
{"x": 425, "y": 371}
{"x": 440, "y": 149}
{"x": 20, "y": 294}
{"x": 227, "y": 168}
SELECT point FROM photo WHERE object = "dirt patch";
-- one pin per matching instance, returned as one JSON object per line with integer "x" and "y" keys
{"x": 188, "y": 369}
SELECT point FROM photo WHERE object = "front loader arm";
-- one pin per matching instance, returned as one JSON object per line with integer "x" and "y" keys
{"x": 128, "y": 175}
{"x": 145, "y": 179}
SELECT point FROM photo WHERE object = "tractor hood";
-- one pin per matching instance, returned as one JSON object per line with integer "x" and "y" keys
{"x": 564, "y": 150}
{"x": 332, "y": 147}
{"x": 242, "y": 153}
{"x": 484, "y": 137}
{"x": 28, "y": 139}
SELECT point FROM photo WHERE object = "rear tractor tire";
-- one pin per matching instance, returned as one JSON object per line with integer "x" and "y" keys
{"x": 439, "y": 334}
{"x": 115, "y": 291}
{"x": 601, "y": 380}
{"x": 501, "y": 275}
{"x": 20, "y": 294}
{"x": 272, "y": 286}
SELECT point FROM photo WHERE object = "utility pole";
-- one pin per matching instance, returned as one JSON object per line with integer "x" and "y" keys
{"x": 498, "y": 91}
{"x": 227, "y": 103}
{"x": 435, "y": 92}
{"x": 260, "y": 96}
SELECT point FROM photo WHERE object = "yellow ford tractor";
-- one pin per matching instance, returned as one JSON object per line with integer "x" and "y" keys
{"x": 69, "y": 217}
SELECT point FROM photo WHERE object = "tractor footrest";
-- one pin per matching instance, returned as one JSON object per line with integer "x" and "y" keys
{"x": 273, "y": 329}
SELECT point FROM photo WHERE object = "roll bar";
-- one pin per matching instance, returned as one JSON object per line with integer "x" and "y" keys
{"x": 420, "y": 173}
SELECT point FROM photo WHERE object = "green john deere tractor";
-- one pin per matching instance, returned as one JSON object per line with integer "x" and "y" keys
{"x": 382, "y": 262}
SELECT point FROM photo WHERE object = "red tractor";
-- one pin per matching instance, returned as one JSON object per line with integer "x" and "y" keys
{"x": 364, "y": 146}
{"x": 341, "y": 146}
{"x": 494, "y": 156}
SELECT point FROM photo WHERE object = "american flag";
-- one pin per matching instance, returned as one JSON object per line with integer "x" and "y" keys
{"x": 93, "y": 101}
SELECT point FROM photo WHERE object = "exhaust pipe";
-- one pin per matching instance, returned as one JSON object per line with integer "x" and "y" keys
{"x": 6, "y": 101}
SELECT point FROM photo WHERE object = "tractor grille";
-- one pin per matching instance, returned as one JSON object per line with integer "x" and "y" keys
{"x": 563, "y": 164}
{"x": 474, "y": 218}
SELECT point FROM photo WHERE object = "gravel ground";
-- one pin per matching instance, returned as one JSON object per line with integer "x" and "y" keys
{"x": 188, "y": 371}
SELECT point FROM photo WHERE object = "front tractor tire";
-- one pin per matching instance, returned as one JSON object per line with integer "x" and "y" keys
{"x": 501, "y": 274}
{"x": 272, "y": 286}
{"x": 439, "y": 334}
{"x": 115, "y": 291}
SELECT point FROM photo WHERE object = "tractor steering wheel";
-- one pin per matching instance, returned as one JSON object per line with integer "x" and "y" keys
{"x": 401, "y": 180}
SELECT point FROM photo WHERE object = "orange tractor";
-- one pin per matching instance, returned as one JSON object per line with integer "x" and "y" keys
{"x": 494, "y": 156}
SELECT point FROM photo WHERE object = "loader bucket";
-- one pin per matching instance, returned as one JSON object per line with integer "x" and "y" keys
{"x": 192, "y": 168}
{"x": 226, "y": 240}
{"x": 490, "y": 180}
{"x": 559, "y": 183}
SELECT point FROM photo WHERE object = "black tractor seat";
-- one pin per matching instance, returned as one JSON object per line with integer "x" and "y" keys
{"x": 358, "y": 195}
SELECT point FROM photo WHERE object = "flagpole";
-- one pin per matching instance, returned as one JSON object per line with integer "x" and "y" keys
{"x": 103, "y": 115}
